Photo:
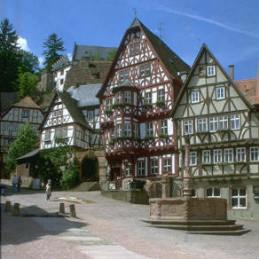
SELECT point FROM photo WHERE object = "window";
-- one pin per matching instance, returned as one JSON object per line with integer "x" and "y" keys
{"x": 217, "y": 156}
{"x": 47, "y": 136}
{"x": 61, "y": 81}
{"x": 206, "y": 159}
{"x": 213, "y": 124}
{"x": 148, "y": 98}
{"x": 57, "y": 113}
{"x": 193, "y": 158}
{"x": 127, "y": 129}
{"x": 235, "y": 122}
{"x": 223, "y": 123}
{"x": 167, "y": 164}
{"x": 134, "y": 48}
{"x": 123, "y": 75}
{"x": 228, "y": 155}
{"x": 254, "y": 154}
{"x": 108, "y": 104}
{"x": 194, "y": 193}
{"x": 154, "y": 165}
{"x": 144, "y": 70}
{"x": 238, "y": 198}
{"x": 241, "y": 154}
{"x": 187, "y": 127}
{"x": 164, "y": 127}
{"x": 61, "y": 132}
{"x": 118, "y": 130}
{"x": 141, "y": 168}
{"x": 211, "y": 70}
{"x": 90, "y": 115}
{"x": 195, "y": 96}
{"x": 149, "y": 129}
{"x": 202, "y": 125}
{"x": 161, "y": 95}
{"x": 220, "y": 93}
{"x": 127, "y": 97}
{"x": 213, "y": 192}
{"x": 25, "y": 113}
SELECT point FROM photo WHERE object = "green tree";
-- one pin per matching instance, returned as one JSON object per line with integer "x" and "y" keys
{"x": 27, "y": 82}
{"x": 53, "y": 47}
{"x": 9, "y": 56}
{"x": 25, "y": 142}
{"x": 29, "y": 62}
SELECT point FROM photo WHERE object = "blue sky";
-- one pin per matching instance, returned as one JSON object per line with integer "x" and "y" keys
{"x": 230, "y": 28}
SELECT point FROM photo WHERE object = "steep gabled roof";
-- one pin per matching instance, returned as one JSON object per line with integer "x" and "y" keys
{"x": 204, "y": 48}
{"x": 72, "y": 107}
{"x": 172, "y": 62}
{"x": 26, "y": 102}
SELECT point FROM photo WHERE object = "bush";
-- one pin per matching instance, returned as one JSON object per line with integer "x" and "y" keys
{"x": 70, "y": 177}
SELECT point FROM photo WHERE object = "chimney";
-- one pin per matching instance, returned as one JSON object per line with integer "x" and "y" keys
{"x": 231, "y": 71}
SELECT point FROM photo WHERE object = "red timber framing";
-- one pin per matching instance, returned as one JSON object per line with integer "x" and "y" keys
{"x": 136, "y": 100}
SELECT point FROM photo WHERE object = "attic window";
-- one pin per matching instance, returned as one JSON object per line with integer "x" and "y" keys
{"x": 25, "y": 113}
{"x": 144, "y": 70}
{"x": 134, "y": 48}
{"x": 123, "y": 75}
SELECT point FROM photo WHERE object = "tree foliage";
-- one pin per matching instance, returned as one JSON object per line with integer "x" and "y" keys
{"x": 111, "y": 55}
{"x": 29, "y": 62}
{"x": 53, "y": 47}
{"x": 9, "y": 56}
{"x": 25, "y": 142}
{"x": 27, "y": 82}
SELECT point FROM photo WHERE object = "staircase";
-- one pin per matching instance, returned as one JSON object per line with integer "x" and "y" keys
{"x": 209, "y": 227}
{"x": 87, "y": 187}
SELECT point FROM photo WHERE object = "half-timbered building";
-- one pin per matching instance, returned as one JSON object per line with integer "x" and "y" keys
{"x": 217, "y": 124}
{"x": 135, "y": 103}
{"x": 24, "y": 111}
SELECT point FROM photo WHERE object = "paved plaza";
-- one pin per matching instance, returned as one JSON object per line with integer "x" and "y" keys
{"x": 108, "y": 229}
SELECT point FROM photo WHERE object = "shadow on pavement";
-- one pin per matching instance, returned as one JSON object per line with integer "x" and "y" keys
{"x": 18, "y": 230}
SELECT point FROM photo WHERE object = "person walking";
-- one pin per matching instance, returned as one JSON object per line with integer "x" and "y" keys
{"x": 14, "y": 183}
{"x": 48, "y": 189}
{"x": 19, "y": 183}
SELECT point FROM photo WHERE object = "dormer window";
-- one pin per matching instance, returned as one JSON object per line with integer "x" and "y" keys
{"x": 211, "y": 71}
{"x": 134, "y": 48}
{"x": 220, "y": 93}
{"x": 144, "y": 70}
{"x": 123, "y": 75}
{"x": 195, "y": 96}
{"x": 127, "y": 97}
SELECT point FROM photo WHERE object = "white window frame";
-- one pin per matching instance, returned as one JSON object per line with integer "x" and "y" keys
{"x": 167, "y": 164}
{"x": 238, "y": 197}
{"x": 154, "y": 165}
{"x": 223, "y": 122}
{"x": 195, "y": 96}
{"x": 202, "y": 124}
{"x": 164, "y": 127}
{"x": 220, "y": 92}
{"x": 206, "y": 156}
{"x": 127, "y": 129}
{"x": 211, "y": 70}
{"x": 127, "y": 97}
{"x": 149, "y": 129}
{"x": 228, "y": 155}
{"x": 241, "y": 154}
{"x": 123, "y": 75}
{"x": 187, "y": 127}
{"x": 144, "y": 70}
{"x": 254, "y": 154}
{"x": 235, "y": 122}
{"x": 148, "y": 98}
{"x": 193, "y": 158}
{"x": 213, "y": 195}
{"x": 161, "y": 95}
{"x": 217, "y": 156}
{"x": 118, "y": 130}
{"x": 47, "y": 136}
{"x": 141, "y": 167}
{"x": 213, "y": 124}
{"x": 25, "y": 113}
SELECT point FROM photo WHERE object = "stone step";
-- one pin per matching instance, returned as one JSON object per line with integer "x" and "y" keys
{"x": 202, "y": 227}
{"x": 189, "y": 222}
{"x": 237, "y": 232}
{"x": 87, "y": 186}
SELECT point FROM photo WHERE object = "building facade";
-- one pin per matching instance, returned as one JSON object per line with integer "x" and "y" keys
{"x": 135, "y": 103}
{"x": 24, "y": 111}
{"x": 217, "y": 121}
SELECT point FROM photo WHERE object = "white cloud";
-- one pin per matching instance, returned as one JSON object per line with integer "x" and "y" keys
{"x": 210, "y": 21}
{"x": 23, "y": 43}
{"x": 41, "y": 60}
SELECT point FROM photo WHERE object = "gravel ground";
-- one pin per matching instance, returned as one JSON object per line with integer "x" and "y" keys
{"x": 116, "y": 226}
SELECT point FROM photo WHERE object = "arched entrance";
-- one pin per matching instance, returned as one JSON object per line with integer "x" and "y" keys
{"x": 89, "y": 169}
